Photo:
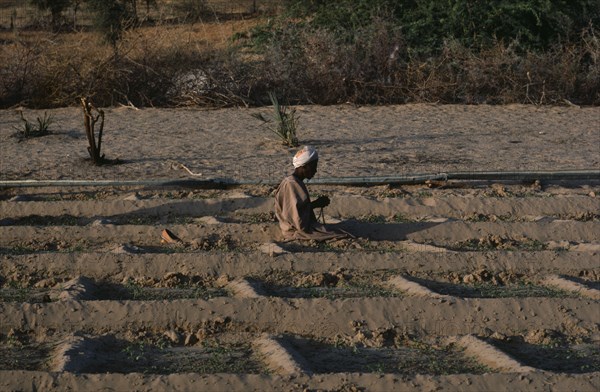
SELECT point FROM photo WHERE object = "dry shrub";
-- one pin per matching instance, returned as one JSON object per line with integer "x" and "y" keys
{"x": 499, "y": 75}
{"x": 196, "y": 65}
{"x": 55, "y": 71}
{"x": 18, "y": 65}
{"x": 315, "y": 66}
{"x": 375, "y": 67}
{"x": 145, "y": 69}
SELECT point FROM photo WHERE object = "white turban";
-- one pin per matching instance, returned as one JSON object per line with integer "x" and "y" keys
{"x": 305, "y": 155}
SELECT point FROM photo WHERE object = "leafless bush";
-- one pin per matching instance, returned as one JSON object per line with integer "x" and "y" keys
{"x": 376, "y": 68}
{"x": 500, "y": 75}
{"x": 168, "y": 66}
{"x": 315, "y": 66}
{"x": 50, "y": 74}
{"x": 20, "y": 62}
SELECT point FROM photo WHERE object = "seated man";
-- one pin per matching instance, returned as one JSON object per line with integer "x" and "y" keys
{"x": 293, "y": 207}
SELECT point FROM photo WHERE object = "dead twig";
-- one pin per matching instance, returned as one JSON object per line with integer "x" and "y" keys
{"x": 182, "y": 166}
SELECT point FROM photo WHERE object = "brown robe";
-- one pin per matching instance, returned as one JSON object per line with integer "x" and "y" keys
{"x": 294, "y": 212}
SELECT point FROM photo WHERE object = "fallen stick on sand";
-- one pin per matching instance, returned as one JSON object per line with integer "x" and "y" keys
{"x": 182, "y": 166}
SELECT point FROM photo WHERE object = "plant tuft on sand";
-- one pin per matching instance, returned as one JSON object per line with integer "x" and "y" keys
{"x": 285, "y": 120}
{"x": 30, "y": 130}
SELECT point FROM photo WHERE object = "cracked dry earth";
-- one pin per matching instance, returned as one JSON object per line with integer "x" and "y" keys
{"x": 478, "y": 287}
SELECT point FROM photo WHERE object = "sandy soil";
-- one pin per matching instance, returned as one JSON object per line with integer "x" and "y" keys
{"x": 470, "y": 286}
{"x": 352, "y": 141}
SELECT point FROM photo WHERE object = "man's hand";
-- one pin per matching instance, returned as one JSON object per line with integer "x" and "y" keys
{"x": 322, "y": 201}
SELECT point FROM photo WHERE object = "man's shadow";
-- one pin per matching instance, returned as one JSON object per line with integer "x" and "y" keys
{"x": 375, "y": 231}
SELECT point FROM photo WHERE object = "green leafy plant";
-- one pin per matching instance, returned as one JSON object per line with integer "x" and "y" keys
{"x": 135, "y": 351}
{"x": 134, "y": 290}
{"x": 29, "y": 129}
{"x": 285, "y": 120}
{"x": 426, "y": 24}
{"x": 378, "y": 367}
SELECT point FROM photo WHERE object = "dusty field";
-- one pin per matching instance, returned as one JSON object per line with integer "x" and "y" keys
{"x": 352, "y": 141}
{"x": 472, "y": 286}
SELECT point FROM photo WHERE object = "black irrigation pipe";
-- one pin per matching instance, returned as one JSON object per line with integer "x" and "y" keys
{"x": 409, "y": 179}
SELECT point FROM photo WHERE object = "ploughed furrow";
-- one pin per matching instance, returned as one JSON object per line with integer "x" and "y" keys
{"x": 32, "y": 268}
{"x": 214, "y": 356}
{"x": 455, "y": 289}
{"x": 451, "y": 235}
{"x": 223, "y": 344}
{"x": 580, "y": 207}
{"x": 339, "y": 283}
{"x": 23, "y": 380}
{"x": 319, "y": 317}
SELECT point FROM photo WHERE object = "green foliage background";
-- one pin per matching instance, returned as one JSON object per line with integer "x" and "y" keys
{"x": 426, "y": 24}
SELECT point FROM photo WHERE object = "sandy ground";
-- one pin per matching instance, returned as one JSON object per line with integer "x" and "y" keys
{"x": 467, "y": 287}
{"x": 353, "y": 141}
